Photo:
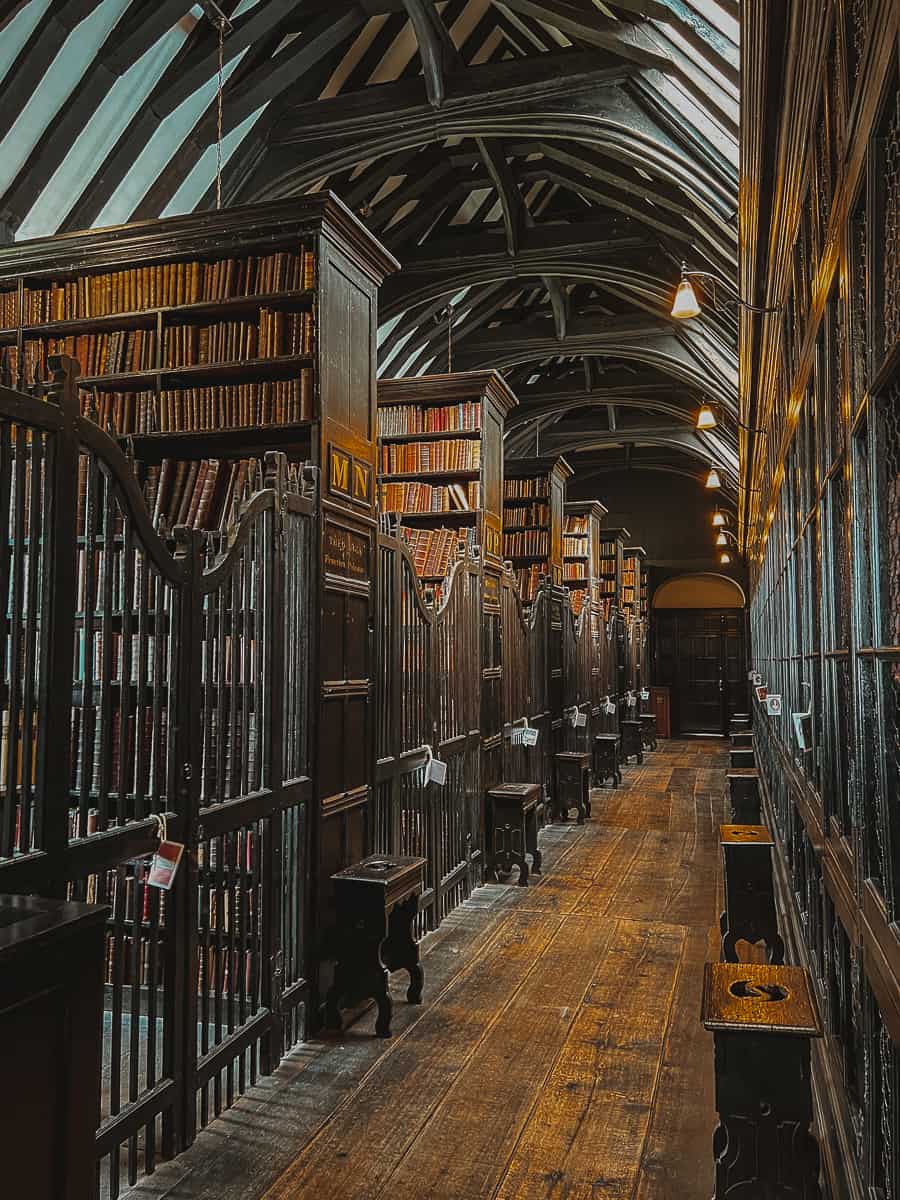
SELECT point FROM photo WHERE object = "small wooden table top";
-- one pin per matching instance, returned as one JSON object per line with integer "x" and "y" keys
{"x": 759, "y": 998}
{"x": 396, "y": 877}
{"x": 745, "y": 835}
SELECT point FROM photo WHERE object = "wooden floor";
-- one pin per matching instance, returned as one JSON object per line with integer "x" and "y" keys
{"x": 559, "y": 1053}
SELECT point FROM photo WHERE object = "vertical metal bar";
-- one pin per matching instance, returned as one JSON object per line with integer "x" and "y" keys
{"x": 53, "y": 773}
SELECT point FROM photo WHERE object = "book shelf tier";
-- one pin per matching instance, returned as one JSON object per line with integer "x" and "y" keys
{"x": 440, "y": 457}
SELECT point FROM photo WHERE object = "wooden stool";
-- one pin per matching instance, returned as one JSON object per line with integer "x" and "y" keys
{"x": 742, "y": 739}
{"x": 631, "y": 740}
{"x": 377, "y": 901}
{"x": 742, "y": 758}
{"x": 648, "y": 730}
{"x": 762, "y": 1019}
{"x": 606, "y": 758}
{"x": 739, "y": 725}
{"x": 514, "y": 828}
{"x": 743, "y": 788}
{"x": 749, "y": 891}
{"x": 573, "y": 784}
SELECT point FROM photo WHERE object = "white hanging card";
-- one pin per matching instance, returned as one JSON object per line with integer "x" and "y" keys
{"x": 773, "y": 705}
{"x": 165, "y": 864}
{"x": 580, "y": 720}
{"x": 437, "y": 772}
{"x": 530, "y": 736}
{"x": 761, "y": 693}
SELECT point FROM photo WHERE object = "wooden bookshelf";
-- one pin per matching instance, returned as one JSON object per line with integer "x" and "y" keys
{"x": 612, "y": 546}
{"x": 209, "y": 337}
{"x": 534, "y": 492}
{"x": 634, "y": 581}
{"x": 206, "y": 341}
{"x": 581, "y": 552}
{"x": 440, "y": 463}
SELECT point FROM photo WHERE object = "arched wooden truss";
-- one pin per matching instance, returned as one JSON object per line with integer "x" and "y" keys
{"x": 542, "y": 165}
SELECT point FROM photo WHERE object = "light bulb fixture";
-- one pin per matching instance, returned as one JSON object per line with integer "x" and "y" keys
{"x": 718, "y": 519}
{"x": 721, "y": 540}
{"x": 712, "y": 479}
{"x": 724, "y": 558}
{"x": 706, "y": 419}
{"x": 687, "y": 305}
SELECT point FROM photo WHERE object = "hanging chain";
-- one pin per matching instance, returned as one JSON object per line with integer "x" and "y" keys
{"x": 219, "y": 112}
{"x": 449, "y": 339}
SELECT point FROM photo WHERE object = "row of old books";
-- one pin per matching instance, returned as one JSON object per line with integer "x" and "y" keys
{"x": 576, "y": 524}
{"x": 628, "y": 577}
{"x": 168, "y": 285}
{"x": 97, "y": 354}
{"x": 221, "y": 969}
{"x": 398, "y": 420}
{"x": 273, "y": 335}
{"x": 113, "y": 757}
{"x": 537, "y": 515}
{"x": 433, "y": 550}
{"x": 226, "y": 406}
{"x": 426, "y": 497}
{"x": 532, "y": 541}
{"x": 522, "y": 489}
{"x": 577, "y": 597}
{"x": 574, "y": 570}
{"x": 575, "y": 547}
{"x": 529, "y": 580}
{"x": 429, "y": 457}
{"x": 202, "y": 494}
{"x": 235, "y": 851}
{"x": 9, "y": 309}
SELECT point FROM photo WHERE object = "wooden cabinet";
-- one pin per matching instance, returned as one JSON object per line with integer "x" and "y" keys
{"x": 51, "y": 1000}
{"x": 660, "y": 706}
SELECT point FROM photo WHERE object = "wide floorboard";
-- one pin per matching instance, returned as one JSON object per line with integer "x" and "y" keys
{"x": 559, "y": 1053}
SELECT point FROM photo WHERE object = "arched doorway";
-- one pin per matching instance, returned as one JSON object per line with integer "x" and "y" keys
{"x": 699, "y": 650}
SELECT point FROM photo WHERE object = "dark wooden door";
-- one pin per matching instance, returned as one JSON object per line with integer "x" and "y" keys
{"x": 700, "y": 656}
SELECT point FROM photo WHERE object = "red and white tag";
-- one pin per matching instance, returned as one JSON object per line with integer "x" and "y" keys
{"x": 165, "y": 864}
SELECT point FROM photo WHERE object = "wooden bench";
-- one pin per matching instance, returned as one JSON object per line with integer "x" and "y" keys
{"x": 573, "y": 784}
{"x": 376, "y": 901}
{"x": 606, "y": 758}
{"x": 513, "y": 828}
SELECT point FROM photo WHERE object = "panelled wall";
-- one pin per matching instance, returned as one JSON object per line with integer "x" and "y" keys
{"x": 821, "y": 236}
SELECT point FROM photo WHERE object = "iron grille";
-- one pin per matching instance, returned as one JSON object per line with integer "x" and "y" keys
{"x": 891, "y": 227}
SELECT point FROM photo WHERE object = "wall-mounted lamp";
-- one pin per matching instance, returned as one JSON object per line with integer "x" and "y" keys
{"x": 687, "y": 305}
{"x": 706, "y": 420}
{"x": 718, "y": 519}
{"x": 724, "y": 558}
{"x": 712, "y": 479}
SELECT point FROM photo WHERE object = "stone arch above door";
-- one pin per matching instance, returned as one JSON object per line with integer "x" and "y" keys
{"x": 702, "y": 589}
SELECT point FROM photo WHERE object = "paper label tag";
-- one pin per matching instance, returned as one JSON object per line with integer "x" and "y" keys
{"x": 803, "y": 730}
{"x": 530, "y": 736}
{"x": 609, "y": 708}
{"x": 645, "y": 693}
{"x": 761, "y": 693}
{"x": 773, "y": 705}
{"x": 165, "y": 864}
{"x": 580, "y": 720}
{"x": 757, "y": 678}
{"x": 437, "y": 772}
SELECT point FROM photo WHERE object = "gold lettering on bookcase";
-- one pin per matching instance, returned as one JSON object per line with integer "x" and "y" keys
{"x": 349, "y": 477}
{"x": 362, "y": 482}
{"x": 338, "y": 471}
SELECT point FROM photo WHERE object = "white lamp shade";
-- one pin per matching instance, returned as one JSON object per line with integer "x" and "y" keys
{"x": 712, "y": 479}
{"x": 685, "y": 304}
{"x": 706, "y": 418}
